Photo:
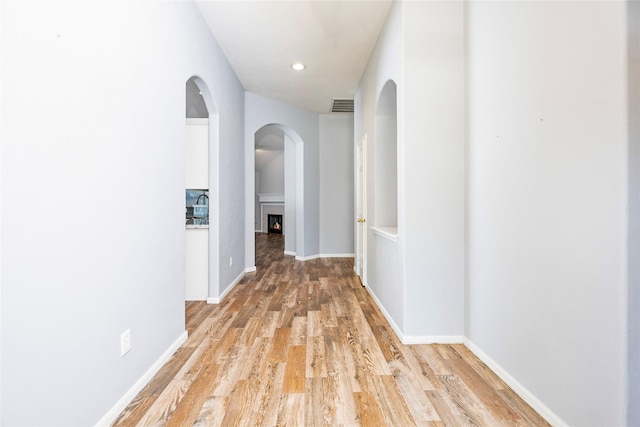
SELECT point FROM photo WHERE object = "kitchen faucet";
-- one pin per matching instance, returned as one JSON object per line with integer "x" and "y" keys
{"x": 202, "y": 195}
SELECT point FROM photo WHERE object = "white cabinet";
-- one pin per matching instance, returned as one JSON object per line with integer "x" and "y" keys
{"x": 197, "y": 238}
{"x": 198, "y": 153}
{"x": 197, "y": 264}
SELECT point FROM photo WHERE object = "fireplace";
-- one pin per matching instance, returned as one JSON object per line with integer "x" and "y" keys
{"x": 274, "y": 222}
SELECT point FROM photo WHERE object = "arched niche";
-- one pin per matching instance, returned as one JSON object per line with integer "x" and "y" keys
{"x": 386, "y": 158}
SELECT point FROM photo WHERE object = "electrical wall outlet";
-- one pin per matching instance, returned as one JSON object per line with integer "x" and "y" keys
{"x": 125, "y": 342}
{"x": 230, "y": 261}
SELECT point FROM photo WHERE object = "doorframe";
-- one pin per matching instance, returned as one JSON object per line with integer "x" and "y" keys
{"x": 250, "y": 193}
{"x": 213, "y": 288}
{"x": 360, "y": 264}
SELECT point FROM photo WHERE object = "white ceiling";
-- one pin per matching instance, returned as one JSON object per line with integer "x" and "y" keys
{"x": 261, "y": 39}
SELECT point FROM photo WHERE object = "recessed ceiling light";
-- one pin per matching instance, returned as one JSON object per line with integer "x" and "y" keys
{"x": 298, "y": 66}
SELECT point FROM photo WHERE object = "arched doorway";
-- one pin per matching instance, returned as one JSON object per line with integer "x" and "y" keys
{"x": 202, "y": 240}
{"x": 270, "y": 142}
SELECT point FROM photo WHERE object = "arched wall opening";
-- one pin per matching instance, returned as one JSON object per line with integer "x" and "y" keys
{"x": 200, "y": 104}
{"x": 386, "y": 158}
{"x": 269, "y": 179}
{"x": 265, "y": 138}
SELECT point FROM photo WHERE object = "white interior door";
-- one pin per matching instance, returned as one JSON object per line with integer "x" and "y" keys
{"x": 361, "y": 208}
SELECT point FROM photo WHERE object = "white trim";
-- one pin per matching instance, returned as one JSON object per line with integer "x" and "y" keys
{"x": 310, "y": 257}
{"x": 214, "y": 194}
{"x": 542, "y": 409}
{"x": 196, "y": 226}
{"x": 250, "y": 269}
{"x": 290, "y": 253}
{"x": 414, "y": 339}
{"x": 433, "y": 339}
{"x": 360, "y": 208}
{"x": 526, "y": 395}
{"x": 117, "y": 409}
{"x": 307, "y": 258}
{"x": 197, "y": 121}
{"x": 386, "y": 314}
{"x": 390, "y": 233}
{"x": 336, "y": 255}
{"x": 216, "y": 300}
{"x": 278, "y": 198}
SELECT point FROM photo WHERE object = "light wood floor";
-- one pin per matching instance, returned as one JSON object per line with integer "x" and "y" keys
{"x": 303, "y": 344}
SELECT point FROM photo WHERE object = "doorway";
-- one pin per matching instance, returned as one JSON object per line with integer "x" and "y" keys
{"x": 201, "y": 179}
{"x": 279, "y": 184}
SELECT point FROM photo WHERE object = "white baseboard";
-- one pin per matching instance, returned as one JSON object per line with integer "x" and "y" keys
{"x": 216, "y": 300}
{"x": 306, "y": 258}
{"x": 542, "y": 409}
{"x": 433, "y": 339}
{"x": 386, "y": 314}
{"x": 290, "y": 253}
{"x": 310, "y": 257}
{"x": 414, "y": 339}
{"x": 336, "y": 255}
{"x": 117, "y": 409}
{"x": 250, "y": 269}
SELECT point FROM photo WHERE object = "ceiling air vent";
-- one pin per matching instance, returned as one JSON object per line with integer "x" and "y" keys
{"x": 342, "y": 106}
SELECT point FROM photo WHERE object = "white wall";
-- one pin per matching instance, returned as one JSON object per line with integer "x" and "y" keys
{"x": 633, "y": 304}
{"x": 256, "y": 218}
{"x": 386, "y": 167}
{"x": 384, "y": 269}
{"x": 1, "y": 275}
{"x": 419, "y": 280}
{"x": 272, "y": 174}
{"x": 336, "y": 184}
{"x": 540, "y": 186}
{"x": 92, "y": 133}
{"x": 290, "y": 195}
{"x": 546, "y": 200}
{"x": 229, "y": 96}
{"x": 432, "y": 170}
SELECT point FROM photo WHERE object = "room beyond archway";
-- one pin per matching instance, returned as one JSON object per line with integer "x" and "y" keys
{"x": 278, "y": 175}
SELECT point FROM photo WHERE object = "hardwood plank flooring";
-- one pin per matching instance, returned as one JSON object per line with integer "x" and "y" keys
{"x": 303, "y": 344}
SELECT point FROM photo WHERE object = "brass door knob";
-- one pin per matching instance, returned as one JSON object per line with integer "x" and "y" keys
{"x": 362, "y": 220}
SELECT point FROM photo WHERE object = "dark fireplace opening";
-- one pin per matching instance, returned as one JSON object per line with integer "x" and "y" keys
{"x": 274, "y": 223}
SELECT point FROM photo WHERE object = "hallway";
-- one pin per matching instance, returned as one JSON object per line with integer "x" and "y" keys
{"x": 302, "y": 343}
